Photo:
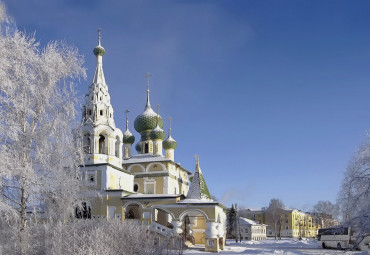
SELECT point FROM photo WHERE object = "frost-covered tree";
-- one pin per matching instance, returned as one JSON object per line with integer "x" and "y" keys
{"x": 38, "y": 155}
{"x": 354, "y": 195}
{"x": 327, "y": 211}
{"x": 274, "y": 215}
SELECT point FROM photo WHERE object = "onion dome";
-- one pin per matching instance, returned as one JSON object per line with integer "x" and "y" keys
{"x": 157, "y": 134}
{"x": 169, "y": 143}
{"x": 128, "y": 137}
{"x": 148, "y": 119}
{"x": 99, "y": 50}
{"x": 138, "y": 147}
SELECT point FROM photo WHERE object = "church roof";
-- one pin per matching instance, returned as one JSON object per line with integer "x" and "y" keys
{"x": 198, "y": 192}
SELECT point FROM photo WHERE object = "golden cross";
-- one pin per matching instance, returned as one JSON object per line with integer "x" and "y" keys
{"x": 147, "y": 76}
{"x": 99, "y": 35}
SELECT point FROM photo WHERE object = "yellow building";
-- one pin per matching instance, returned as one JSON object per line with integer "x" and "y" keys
{"x": 150, "y": 187}
{"x": 294, "y": 223}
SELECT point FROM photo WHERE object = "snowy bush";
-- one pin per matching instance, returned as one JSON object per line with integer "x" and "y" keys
{"x": 82, "y": 237}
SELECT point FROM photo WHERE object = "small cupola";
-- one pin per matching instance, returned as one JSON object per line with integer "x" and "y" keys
{"x": 170, "y": 144}
{"x": 128, "y": 139}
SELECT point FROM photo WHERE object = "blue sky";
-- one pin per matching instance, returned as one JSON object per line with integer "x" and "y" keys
{"x": 272, "y": 95}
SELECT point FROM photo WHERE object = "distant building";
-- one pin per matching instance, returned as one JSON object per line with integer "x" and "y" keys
{"x": 294, "y": 223}
{"x": 251, "y": 230}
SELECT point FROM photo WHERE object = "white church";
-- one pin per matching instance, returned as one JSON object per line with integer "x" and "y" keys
{"x": 148, "y": 187}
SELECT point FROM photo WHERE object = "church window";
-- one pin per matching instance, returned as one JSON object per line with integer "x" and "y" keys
{"x": 150, "y": 188}
{"x": 117, "y": 146}
{"x": 101, "y": 112}
{"x": 110, "y": 115}
{"x": 136, "y": 187}
{"x": 102, "y": 148}
{"x": 91, "y": 178}
{"x": 100, "y": 98}
{"x": 89, "y": 112}
{"x": 146, "y": 148}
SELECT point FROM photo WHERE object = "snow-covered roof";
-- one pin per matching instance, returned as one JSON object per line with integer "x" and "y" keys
{"x": 151, "y": 196}
{"x": 245, "y": 221}
{"x": 197, "y": 201}
{"x": 257, "y": 209}
{"x": 141, "y": 158}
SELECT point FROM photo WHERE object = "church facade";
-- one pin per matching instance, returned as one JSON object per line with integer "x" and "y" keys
{"x": 149, "y": 187}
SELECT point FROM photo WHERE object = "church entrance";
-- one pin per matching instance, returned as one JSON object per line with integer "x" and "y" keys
{"x": 194, "y": 227}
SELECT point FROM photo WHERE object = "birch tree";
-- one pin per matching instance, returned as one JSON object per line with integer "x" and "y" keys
{"x": 38, "y": 155}
{"x": 354, "y": 195}
{"x": 274, "y": 215}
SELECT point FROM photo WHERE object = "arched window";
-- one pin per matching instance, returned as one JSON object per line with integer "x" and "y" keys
{"x": 103, "y": 149}
{"x": 136, "y": 187}
{"x": 117, "y": 147}
{"x": 146, "y": 148}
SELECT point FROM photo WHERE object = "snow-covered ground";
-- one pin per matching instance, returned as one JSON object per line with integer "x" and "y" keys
{"x": 272, "y": 246}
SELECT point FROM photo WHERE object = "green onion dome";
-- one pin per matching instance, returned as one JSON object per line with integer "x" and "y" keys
{"x": 138, "y": 147}
{"x": 99, "y": 50}
{"x": 157, "y": 134}
{"x": 169, "y": 143}
{"x": 147, "y": 120}
{"x": 128, "y": 137}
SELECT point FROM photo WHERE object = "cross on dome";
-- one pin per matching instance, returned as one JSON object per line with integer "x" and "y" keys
{"x": 99, "y": 35}
{"x": 169, "y": 126}
{"x": 147, "y": 76}
{"x": 127, "y": 111}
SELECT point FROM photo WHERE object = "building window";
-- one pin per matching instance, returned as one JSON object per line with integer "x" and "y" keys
{"x": 136, "y": 187}
{"x": 146, "y": 148}
{"x": 89, "y": 112}
{"x": 101, "y": 112}
{"x": 102, "y": 148}
{"x": 90, "y": 178}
